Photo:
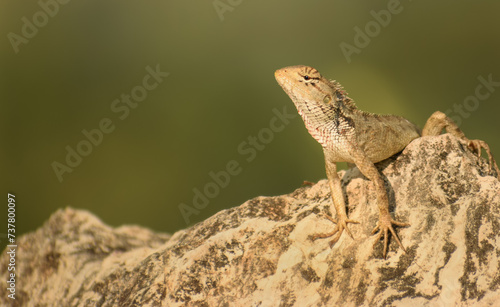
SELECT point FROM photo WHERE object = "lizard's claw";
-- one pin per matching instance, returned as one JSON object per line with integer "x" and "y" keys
{"x": 340, "y": 225}
{"x": 383, "y": 227}
{"x": 477, "y": 146}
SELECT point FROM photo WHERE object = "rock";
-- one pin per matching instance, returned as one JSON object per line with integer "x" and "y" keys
{"x": 260, "y": 254}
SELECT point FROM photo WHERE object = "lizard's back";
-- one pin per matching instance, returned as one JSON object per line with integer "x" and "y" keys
{"x": 381, "y": 136}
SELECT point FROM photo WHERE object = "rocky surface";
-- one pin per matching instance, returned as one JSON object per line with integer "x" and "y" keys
{"x": 260, "y": 254}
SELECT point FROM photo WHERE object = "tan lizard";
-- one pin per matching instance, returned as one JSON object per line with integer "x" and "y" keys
{"x": 348, "y": 134}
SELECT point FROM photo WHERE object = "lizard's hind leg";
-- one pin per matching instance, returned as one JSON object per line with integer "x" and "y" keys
{"x": 439, "y": 121}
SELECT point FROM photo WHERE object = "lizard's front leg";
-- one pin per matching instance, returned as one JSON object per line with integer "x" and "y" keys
{"x": 341, "y": 220}
{"x": 385, "y": 222}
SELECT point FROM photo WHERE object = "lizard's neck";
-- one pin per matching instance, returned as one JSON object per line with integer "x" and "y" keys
{"x": 326, "y": 120}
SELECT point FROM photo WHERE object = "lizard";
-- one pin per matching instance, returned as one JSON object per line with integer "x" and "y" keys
{"x": 350, "y": 135}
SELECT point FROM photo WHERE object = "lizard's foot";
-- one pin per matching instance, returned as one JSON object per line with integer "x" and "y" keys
{"x": 384, "y": 226}
{"x": 340, "y": 225}
{"x": 477, "y": 146}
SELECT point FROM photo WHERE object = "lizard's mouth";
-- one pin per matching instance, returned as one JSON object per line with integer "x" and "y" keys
{"x": 279, "y": 75}
{"x": 282, "y": 76}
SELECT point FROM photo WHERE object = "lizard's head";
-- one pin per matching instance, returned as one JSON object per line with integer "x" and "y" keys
{"x": 305, "y": 85}
{"x": 321, "y": 103}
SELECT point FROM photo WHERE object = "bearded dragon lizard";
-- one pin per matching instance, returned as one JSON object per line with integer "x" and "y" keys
{"x": 348, "y": 134}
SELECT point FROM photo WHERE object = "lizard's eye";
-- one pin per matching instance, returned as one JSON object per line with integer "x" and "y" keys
{"x": 327, "y": 99}
{"x": 306, "y": 77}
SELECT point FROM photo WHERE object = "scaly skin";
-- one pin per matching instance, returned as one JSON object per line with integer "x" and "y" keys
{"x": 354, "y": 136}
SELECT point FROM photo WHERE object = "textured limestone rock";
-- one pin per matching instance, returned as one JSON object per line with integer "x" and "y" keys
{"x": 259, "y": 254}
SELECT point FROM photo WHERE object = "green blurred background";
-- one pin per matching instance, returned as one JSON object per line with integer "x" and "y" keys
{"x": 221, "y": 56}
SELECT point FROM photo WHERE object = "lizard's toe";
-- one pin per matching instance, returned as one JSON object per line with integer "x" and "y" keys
{"x": 383, "y": 227}
{"x": 340, "y": 226}
{"x": 327, "y": 234}
{"x": 335, "y": 239}
{"x": 477, "y": 146}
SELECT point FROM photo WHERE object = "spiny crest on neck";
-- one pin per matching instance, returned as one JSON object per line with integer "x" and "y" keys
{"x": 342, "y": 95}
